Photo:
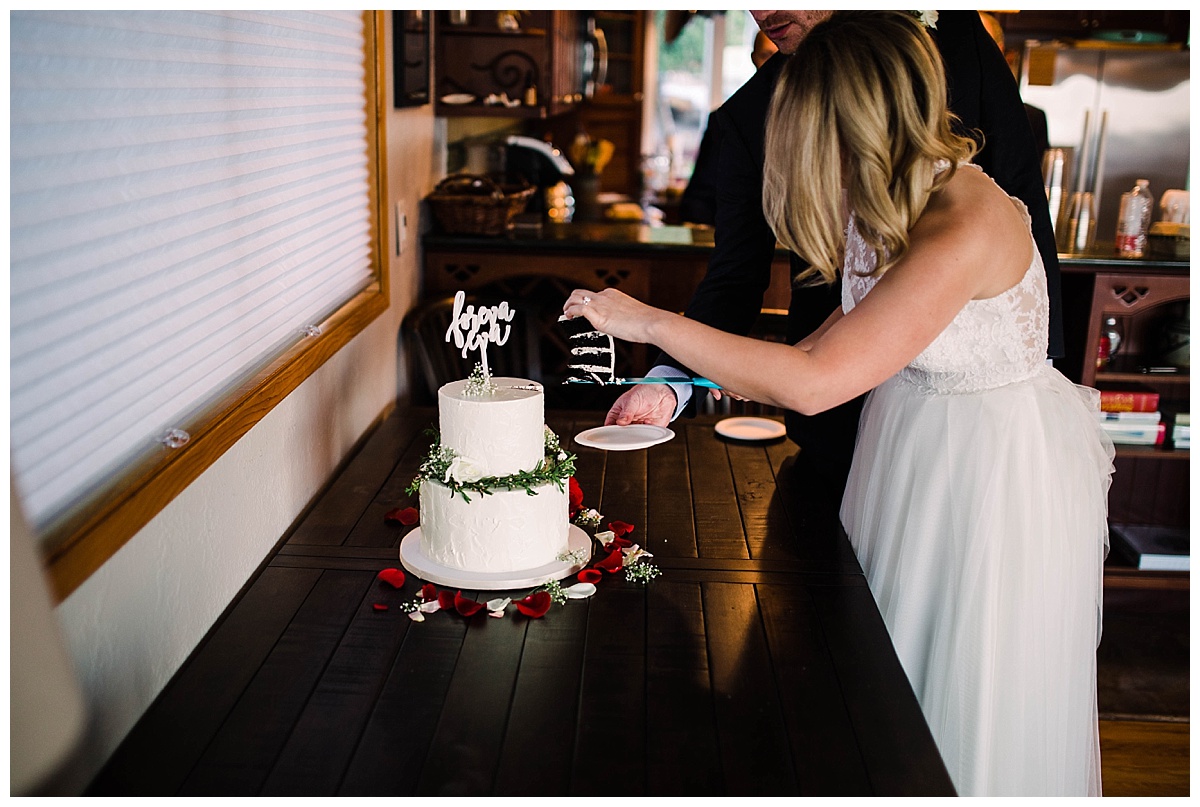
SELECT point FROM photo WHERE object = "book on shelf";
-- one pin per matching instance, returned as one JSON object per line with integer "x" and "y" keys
{"x": 1128, "y": 397}
{"x": 1135, "y": 434}
{"x": 1140, "y": 418}
{"x": 1181, "y": 432}
{"x": 1152, "y": 548}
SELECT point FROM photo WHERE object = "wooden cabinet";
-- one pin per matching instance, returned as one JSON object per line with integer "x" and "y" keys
{"x": 614, "y": 110}
{"x": 1173, "y": 25}
{"x": 477, "y": 58}
{"x": 1145, "y": 299}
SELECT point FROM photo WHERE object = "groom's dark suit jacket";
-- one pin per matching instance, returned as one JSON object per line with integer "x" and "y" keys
{"x": 984, "y": 96}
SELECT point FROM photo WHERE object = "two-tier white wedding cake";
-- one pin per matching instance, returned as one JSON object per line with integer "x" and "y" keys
{"x": 493, "y": 492}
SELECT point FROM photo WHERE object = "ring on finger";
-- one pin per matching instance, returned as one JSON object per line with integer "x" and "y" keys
{"x": 587, "y": 300}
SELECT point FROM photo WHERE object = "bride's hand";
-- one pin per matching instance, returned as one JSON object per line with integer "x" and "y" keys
{"x": 612, "y": 312}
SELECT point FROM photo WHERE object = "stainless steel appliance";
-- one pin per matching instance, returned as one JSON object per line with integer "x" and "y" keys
{"x": 1146, "y": 93}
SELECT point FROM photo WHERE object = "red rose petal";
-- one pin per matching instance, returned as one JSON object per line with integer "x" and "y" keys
{"x": 590, "y": 576}
{"x": 613, "y": 562}
{"x": 574, "y": 495}
{"x": 466, "y": 607}
{"x": 535, "y": 605}
{"x": 404, "y": 515}
{"x": 621, "y": 543}
{"x": 620, "y": 527}
{"x": 393, "y": 577}
{"x": 429, "y": 592}
{"x": 379, "y": 606}
{"x": 445, "y": 600}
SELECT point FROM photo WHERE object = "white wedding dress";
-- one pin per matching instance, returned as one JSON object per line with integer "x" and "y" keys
{"x": 977, "y": 506}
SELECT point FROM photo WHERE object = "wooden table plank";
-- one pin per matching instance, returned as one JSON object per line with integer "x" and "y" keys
{"x": 610, "y": 739}
{"x": 161, "y": 749}
{"x": 319, "y": 748}
{"x": 465, "y": 749}
{"x": 670, "y": 530}
{"x": 335, "y": 513}
{"x": 241, "y": 754}
{"x": 823, "y": 744}
{"x": 891, "y": 731}
{"x": 683, "y": 748}
{"x": 537, "y": 755}
{"x": 754, "y": 741}
{"x": 392, "y": 750}
{"x": 372, "y": 529}
{"x": 624, "y": 495}
{"x": 767, "y": 527}
{"x": 719, "y": 532}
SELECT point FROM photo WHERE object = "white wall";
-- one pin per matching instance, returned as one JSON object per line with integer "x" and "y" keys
{"x": 130, "y": 626}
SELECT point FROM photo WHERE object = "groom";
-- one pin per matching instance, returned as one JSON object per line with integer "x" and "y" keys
{"x": 984, "y": 97}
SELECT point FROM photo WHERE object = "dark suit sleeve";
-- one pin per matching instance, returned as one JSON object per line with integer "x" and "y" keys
{"x": 984, "y": 94}
{"x": 699, "y": 202}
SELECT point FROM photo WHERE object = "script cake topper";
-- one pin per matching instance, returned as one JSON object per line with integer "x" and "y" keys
{"x": 474, "y": 328}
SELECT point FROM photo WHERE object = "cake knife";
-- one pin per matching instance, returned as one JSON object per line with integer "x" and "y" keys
{"x": 596, "y": 379}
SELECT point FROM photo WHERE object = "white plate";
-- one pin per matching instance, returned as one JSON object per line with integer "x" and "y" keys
{"x": 751, "y": 428}
{"x": 458, "y": 98}
{"x": 624, "y": 438}
{"x": 413, "y": 558}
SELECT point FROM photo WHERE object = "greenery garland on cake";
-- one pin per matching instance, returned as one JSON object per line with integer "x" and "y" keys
{"x": 443, "y": 466}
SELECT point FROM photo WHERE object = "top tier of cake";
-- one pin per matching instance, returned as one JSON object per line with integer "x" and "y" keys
{"x": 501, "y": 432}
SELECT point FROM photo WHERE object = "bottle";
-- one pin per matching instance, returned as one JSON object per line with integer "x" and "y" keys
{"x": 530, "y": 90}
{"x": 1110, "y": 342}
{"x": 1112, "y": 329}
{"x": 1133, "y": 220}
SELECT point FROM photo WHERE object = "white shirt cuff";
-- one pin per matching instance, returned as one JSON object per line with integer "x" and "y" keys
{"x": 683, "y": 392}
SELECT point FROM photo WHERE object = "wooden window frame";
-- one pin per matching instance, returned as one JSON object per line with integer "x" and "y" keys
{"x": 82, "y": 542}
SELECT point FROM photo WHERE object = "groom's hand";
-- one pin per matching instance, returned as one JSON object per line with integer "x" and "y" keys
{"x": 643, "y": 403}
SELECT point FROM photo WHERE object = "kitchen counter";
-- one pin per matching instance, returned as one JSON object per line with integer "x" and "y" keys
{"x": 660, "y": 265}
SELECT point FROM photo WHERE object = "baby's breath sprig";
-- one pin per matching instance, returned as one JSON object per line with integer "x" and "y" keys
{"x": 555, "y": 590}
{"x": 479, "y": 383}
{"x": 641, "y": 571}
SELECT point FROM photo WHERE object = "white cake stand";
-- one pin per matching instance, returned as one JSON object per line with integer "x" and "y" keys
{"x": 413, "y": 558}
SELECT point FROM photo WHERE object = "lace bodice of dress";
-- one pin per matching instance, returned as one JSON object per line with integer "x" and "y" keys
{"x": 990, "y": 343}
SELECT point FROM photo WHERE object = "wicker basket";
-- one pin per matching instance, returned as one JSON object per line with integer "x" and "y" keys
{"x": 472, "y": 204}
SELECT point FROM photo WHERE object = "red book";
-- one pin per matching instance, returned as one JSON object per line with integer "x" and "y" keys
{"x": 1128, "y": 398}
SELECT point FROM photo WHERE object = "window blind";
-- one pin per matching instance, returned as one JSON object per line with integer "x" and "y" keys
{"x": 189, "y": 196}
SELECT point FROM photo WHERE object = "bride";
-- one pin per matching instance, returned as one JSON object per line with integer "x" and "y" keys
{"x": 976, "y": 502}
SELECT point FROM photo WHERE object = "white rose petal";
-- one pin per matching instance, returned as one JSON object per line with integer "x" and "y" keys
{"x": 606, "y": 537}
{"x": 431, "y": 607}
{"x": 580, "y": 591}
{"x": 416, "y": 616}
{"x": 498, "y": 604}
{"x": 635, "y": 553}
{"x": 462, "y": 470}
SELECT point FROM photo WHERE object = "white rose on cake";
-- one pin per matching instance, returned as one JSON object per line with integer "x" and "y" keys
{"x": 462, "y": 471}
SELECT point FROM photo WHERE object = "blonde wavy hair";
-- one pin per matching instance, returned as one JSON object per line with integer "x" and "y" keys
{"x": 860, "y": 107}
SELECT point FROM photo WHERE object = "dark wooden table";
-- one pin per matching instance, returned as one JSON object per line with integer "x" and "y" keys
{"x": 757, "y": 663}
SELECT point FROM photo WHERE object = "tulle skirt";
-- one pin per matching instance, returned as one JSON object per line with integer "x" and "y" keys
{"x": 980, "y": 522}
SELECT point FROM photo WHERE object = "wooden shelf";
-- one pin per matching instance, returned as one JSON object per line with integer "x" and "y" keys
{"x": 1153, "y": 452}
{"x": 1118, "y": 575}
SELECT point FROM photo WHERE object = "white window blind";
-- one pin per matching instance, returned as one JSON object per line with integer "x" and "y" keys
{"x": 189, "y": 192}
